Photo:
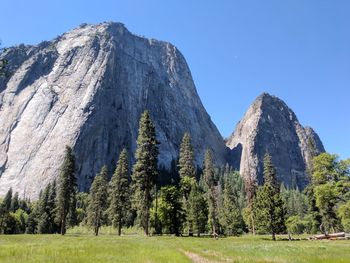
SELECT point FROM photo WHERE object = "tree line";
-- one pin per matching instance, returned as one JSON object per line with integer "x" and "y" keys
{"x": 218, "y": 202}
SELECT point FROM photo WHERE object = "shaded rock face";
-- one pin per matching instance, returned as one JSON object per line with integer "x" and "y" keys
{"x": 88, "y": 88}
{"x": 270, "y": 126}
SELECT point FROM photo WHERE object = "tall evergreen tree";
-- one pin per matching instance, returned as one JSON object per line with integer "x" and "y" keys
{"x": 269, "y": 205}
{"x": 47, "y": 210}
{"x": 187, "y": 172}
{"x": 98, "y": 200}
{"x": 198, "y": 209}
{"x": 250, "y": 188}
{"x": 52, "y": 207}
{"x": 145, "y": 170}
{"x": 44, "y": 220}
{"x": 186, "y": 158}
{"x": 66, "y": 190}
{"x": 120, "y": 192}
{"x": 231, "y": 218}
{"x": 72, "y": 218}
{"x": 212, "y": 191}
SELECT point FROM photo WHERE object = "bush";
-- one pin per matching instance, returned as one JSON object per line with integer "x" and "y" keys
{"x": 344, "y": 215}
{"x": 295, "y": 225}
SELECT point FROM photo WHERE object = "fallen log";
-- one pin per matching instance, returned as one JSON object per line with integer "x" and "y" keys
{"x": 320, "y": 237}
{"x": 340, "y": 234}
{"x": 334, "y": 236}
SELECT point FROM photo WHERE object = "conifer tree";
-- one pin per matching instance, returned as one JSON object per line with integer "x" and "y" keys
{"x": 212, "y": 191}
{"x": 250, "y": 188}
{"x": 187, "y": 172}
{"x": 3, "y": 63}
{"x": 5, "y": 210}
{"x": 72, "y": 219}
{"x": 269, "y": 204}
{"x": 14, "y": 203}
{"x": 47, "y": 210}
{"x": 66, "y": 190}
{"x": 6, "y": 203}
{"x": 120, "y": 192}
{"x": 44, "y": 220}
{"x": 198, "y": 210}
{"x": 32, "y": 221}
{"x": 52, "y": 208}
{"x": 31, "y": 224}
{"x": 145, "y": 170}
{"x": 186, "y": 158}
{"x": 231, "y": 218}
{"x": 98, "y": 200}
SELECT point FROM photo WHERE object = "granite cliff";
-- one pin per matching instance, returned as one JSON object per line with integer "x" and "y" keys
{"x": 271, "y": 126}
{"x": 87, "y": 88}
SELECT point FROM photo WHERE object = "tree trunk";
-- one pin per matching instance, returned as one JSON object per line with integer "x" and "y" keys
{"x": 190, "y": 229}
{"x": 146, "y": 223}
{"x": 253, "y": 225}
{"x": 273, "y": 236}
{"x": 156, "y": 223}
{"x": 120, "y": 227}
{"x": 63, "y": 225}
{"x": 96, "y": 231}
{"x": 146, "y": 228}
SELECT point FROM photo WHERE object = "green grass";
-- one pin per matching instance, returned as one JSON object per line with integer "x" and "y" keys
{"x": 137, "y": 248}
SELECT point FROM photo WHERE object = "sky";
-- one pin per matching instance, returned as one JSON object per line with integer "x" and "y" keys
{"x": 295, "y": 49}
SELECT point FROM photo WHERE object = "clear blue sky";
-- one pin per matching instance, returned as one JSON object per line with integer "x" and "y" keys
{"x": 295, "y": 49}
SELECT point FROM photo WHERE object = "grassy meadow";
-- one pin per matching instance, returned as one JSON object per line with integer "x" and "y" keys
{"x": 84, "y": 247}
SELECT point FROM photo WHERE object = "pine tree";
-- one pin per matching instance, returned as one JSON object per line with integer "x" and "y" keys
{"x": 5, "y": 210}
{"x": 198, "y": 210}
{"x": 250, "y": 189}
{"x": 14, "y": 203}
{"x": 72, "y": 219}
{"x": 120, "y": 192}
{"x": 44, "y": 222}
{"x": 145, "y": 170}
{"x": 186, "y": 158}
{"x": 3, "y": 63}
{"x": 6, "y": 203}
{"x": 269, "y": 204}
{"x": 187, "y": 172}
{"x": 98, "y": 200}
{"x": 231, "y": 218}
{"x": 66, "y": 190}
{"x": 33, "y": 217}
{"x": 47, "y": 210}
{"x": 52, "y": 208}
{"x": 212, "y": 192}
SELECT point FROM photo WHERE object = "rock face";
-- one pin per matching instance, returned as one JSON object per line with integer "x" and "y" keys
{"x": 88, "y": 88}
{"x": 270, "y": 126}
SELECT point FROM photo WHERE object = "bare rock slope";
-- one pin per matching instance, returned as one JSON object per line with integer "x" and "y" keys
{"x": 270, "y": 126}
{"x": 88, "y": 88}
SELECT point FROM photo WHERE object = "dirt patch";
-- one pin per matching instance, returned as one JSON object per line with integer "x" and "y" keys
{"x": 197, "y": 258}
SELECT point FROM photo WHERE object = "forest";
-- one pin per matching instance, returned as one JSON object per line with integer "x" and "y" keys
{"x": 214, "y": 200}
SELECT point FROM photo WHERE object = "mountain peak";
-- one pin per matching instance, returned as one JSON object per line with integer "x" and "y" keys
{"x": 270, "y": 126}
